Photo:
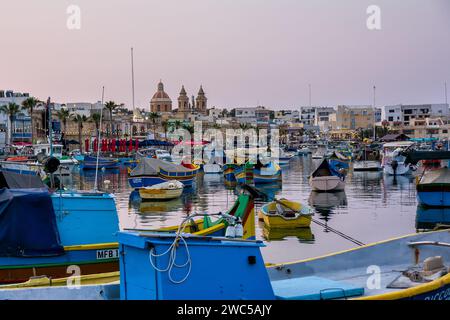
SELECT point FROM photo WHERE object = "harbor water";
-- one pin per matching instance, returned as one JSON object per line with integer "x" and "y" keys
{"x": 374, "y": 207}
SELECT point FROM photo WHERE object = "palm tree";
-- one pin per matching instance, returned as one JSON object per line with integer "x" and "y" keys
{"x": 153, "y": 117}
{"x": 63, "y": 115}
{"x": 29, "y": 104}
{"x": 165, "y": 124}
{"x": 111, "y": 106}
{"x": 10, "y": 110}
{"x": 80, "y": 120}
{"x": 96, "y": 119}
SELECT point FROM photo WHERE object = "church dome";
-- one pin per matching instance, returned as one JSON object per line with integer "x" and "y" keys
{"x": 160, "y": 94}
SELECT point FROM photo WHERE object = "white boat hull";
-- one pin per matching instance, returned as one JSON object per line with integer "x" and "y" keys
{"x": 401, "y": 169}
{"x": 212, "y": 168}
{"x": 367, "y": 166}
{"x": 163, "y": 191}
{"x": 327, "y": 183}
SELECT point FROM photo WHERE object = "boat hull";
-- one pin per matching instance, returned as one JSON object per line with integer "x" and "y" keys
{"x": 402, "y": 169}
{"x": 278, "y": 221}
{"x": 148, "y": 181}
{"x": 91, "y": 259}
{"x": 327, "y": 184}
{"x": 367, "y": 166}
{"x": 434, "y": 198}
{"x": 212, "y": 168}
{"x": 160, "y": 194}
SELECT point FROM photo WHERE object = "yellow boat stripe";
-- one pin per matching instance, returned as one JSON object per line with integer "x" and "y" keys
{"x": 410, "y": 292}
{"x": 96, "y": 246}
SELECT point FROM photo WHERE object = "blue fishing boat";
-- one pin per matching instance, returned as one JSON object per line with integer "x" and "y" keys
{"x": 42, "y": 234}
{"x": 244, "y": 173}
{"x": 268, "y": 173}
{"x": 428, "y": 218}
{"x": 90, "y": 163}
{"x": 433, "y": 188}
{"x": 338, "y": 162}
{"x": 228, "y": 172}
{"x": 151, "y": 171}
{"x": 149, "y": 272}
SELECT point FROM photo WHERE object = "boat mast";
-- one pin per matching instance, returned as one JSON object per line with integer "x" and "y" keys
{"x": 50, "y": 127}
{"x": 98, "y": 141}
{"x": 132, "y": 92}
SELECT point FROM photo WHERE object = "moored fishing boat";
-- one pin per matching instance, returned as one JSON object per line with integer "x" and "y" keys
{"x": 151, "y": 171}
{"x": 212, "y": 168}
{"x": 64, "y": 229}
{"x": 393, "y": 161}
{"x": 163, "y": 191}
{"x": 324, "y": 178}
{"x": 243, "y": 210}
{"x": 367, "y": 165}
{"x": 433, "y": 188}
{"x": 268, "y": 173}
{"x": 228, "y": 172}
{"x": 412, "y": 267}
{"x": 90, "y": 163}
{"x": 244, "y": 173}
{"x": 284, "y": 213}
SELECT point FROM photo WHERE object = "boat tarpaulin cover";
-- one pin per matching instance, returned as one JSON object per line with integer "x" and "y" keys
{"x": 13, "y": 180}
{"x": 152, "y": 166}
{"x": 28, "y": 224}
{"x": 440, "y": 176}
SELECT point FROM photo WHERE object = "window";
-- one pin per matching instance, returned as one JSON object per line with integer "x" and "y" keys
{"x": 391, "y": 110}
{"x": 391, "y": 119}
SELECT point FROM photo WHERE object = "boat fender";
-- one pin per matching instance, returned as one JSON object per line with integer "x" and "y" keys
{"x": 230, "y": 232}
{"x": 239, "y": 230}
{"x": 171, "y": 186}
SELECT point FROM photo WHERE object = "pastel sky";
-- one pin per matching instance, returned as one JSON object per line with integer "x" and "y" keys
{"x": 243, "y": 52}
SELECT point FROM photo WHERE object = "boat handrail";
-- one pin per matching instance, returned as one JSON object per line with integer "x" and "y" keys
{"x": 429, "y": 243}
{"x": 24, "y": 163}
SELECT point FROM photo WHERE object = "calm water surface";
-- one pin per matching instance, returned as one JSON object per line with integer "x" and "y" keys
{"x": 374, "y": 207}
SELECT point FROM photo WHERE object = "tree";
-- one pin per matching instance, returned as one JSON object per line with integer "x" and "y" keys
{"x": 96, "y": 119}
{"x": 165, "y": 125}
{"x": 28, "y": 105}
{"x": 153, "y": 117}
{"x": 111, "y": 106}
{"x": 80, "y": 120}
{"x": 63, "y": 115}
{"x": 10, "y": 110}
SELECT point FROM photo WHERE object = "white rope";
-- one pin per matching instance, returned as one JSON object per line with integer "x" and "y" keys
{"x": 172, "y": 251}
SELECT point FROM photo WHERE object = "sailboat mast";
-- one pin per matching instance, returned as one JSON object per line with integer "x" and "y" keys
{"x": 132, "y": 91}
{"x": 98, "y": 141}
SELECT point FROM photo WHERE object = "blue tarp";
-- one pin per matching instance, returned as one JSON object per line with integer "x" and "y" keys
{"x": 28, "y": 224}
{"x": 152, "y": 142}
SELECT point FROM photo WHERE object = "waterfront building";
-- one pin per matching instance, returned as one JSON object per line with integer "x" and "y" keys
{"x": 322, "y": 117}
{"x": 307, "y": 116}
{"x": 401, "y": 114}
{"x": 353, "y": 117}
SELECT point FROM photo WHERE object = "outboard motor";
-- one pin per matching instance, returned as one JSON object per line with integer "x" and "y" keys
{"x": 51, "y": 164}
{"x": 394, "y": 165}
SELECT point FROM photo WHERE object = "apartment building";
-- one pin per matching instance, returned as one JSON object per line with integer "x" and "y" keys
{"x": 405, "y": 114}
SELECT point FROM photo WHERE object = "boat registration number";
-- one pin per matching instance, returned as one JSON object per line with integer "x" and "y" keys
{"x": 107, "y": 254}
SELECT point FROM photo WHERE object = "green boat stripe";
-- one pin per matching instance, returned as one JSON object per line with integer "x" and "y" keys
{"x": 58, "y": 264}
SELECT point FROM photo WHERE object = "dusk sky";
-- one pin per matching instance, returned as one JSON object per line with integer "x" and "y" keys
{"x": 243, "y": 52}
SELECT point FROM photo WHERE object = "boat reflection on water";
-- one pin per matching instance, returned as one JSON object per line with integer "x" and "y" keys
{"x": 327, "y": 200}
{"x": 324, "y": 203}
{"x": 276, "y": 234}
{"x": 402, "y": 182}
{"x": 270, "y": 189}
{"x": 429, "y": 218}
{"x": 156, "y": 208}
{"x": 153, "y": 207}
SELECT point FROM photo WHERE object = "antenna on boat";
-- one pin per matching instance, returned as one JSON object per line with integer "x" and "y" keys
{"x": 132, "y": 91}
{"x": 98, "y": 143}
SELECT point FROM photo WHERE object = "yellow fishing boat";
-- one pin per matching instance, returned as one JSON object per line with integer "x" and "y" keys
{"x": 162, "y": 191}
{"x": 286, "y": 214}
